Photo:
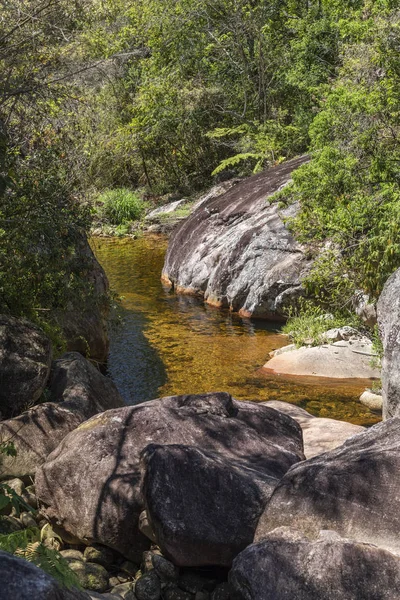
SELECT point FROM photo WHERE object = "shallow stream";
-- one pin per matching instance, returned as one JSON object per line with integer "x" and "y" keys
{"x": 169, "y": 344}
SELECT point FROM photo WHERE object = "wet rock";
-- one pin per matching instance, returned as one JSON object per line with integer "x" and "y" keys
{"x": 389, "y": 330}
{"x": 23, "y": 581}
{"x": 235, "y": 251}
{"x": 353, "y": 490}
{"x": 78, "y": 391}
{"x": 91, "y": 482}
{"x": 319, "y": 434}
{"x": 371, "y": 400}
{"x": 148, "y": 587}
{"x": 204, "y": 508}
{"x": 99, "y": 554}
{"x": 90, "y": 575}
{"x": 25, "y": 358}
{"x": 27, "y": 520}
{"x": 286, "y": 565}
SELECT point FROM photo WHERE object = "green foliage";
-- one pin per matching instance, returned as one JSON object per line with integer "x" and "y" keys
{"x": 119, "y": 206}
{"x": 308, "y": 323}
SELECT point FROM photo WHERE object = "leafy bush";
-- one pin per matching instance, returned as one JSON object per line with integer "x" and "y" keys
{"x": 121, "y": 205}
{"x": 308, "y": 324}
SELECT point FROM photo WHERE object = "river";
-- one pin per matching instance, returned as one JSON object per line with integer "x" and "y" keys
{"x": 167, "y": 344}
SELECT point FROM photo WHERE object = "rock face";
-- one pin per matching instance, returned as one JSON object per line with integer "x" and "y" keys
{"x": 85, "y": 325}
{"x": 91, "y": 482}
{"x": 203, "y": 508}
{"x": 353, "y": 490}
{"x": 235, "y": 251}
{"x": 78, "y": 391}
{"x": 340, "y": 360}
{"x": 389, "y": 329}
{"x": 319, "y": 434}
{"x": 25, "y": 358}
{"x": 287, "y": 565}
{"x": 23, "y": 581}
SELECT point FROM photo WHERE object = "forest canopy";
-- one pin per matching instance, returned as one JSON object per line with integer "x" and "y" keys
{"x": 165, "y": 96}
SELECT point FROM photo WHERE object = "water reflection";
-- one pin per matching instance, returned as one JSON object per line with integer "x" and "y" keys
{"x": 171, "y": 344}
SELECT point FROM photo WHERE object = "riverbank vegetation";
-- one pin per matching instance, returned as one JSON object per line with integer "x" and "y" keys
{"x": 98, "y": 96}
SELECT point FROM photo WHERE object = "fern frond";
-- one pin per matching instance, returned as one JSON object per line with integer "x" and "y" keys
{"x": 234, "y": 160}
{"x": 11, "y": 542}
{"x": 53, "y": 563}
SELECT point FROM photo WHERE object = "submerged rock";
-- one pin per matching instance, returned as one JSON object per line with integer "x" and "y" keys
{"x": 389, "y": 329}
{"x": 78, "y": 391}
{"x": 91, "y": 482}
{"x": 286, "y": 565}
{"x": 319, "y": 433}
{"x": 354, "y": 490}
{"x": 235, "y": 251}
{"x": 25, "y": 359}
{"x": 20, "y": 580}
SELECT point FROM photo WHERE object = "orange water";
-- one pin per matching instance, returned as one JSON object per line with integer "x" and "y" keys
{"x": 169, "y": 344}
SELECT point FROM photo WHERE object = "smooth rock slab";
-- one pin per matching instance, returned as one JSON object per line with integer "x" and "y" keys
{"x": 203, "y": 508}
{"x": 354, "y": 490}
{"x": 234, "y": 250}
{"x": 389, "y": 329}
{"x": 78, "y": 391}
{"x": 25, "y": 358}
{"x": 91, "y": 482}
{"x": 20, "y": 580}
{"x": 287, "y": 566}
{"x": 319, "y": 433}
{"x": 340, "y": 360}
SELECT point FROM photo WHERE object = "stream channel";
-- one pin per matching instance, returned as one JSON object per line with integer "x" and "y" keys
{"x": 167, "y": 344}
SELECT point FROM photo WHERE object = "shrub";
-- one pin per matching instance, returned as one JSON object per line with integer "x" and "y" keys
{"x": 121, "y": 205}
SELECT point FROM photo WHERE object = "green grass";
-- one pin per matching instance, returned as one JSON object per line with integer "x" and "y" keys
{"x": 121, "y": 206}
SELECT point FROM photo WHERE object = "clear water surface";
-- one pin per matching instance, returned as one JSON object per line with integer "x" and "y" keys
{"x": 169, "y": 344}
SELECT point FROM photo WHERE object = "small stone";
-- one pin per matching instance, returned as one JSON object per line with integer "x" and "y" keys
{"x": 129, "y": 568}
{"x": 72, "y": 555}
{"x": 147, "y": 562}
{"x": 148, "y": 587}
{"x": 174, "y": 593}
{"x": 371, "y": 400}
{"x": 221, "y": 592}
{"x": 100, "y": 555}
{"x": 91, "y": 575}
{"x": 119, "y": 578}
{"x": 17, "y": 485}
{"x": 192, "y": 582}
{"x": 27, "y": 520}
{"x": 124, "y": 590}
{"x": 164, "y": 568}
{"x": 9, "y": 525}
{"x": 202, "y": 596}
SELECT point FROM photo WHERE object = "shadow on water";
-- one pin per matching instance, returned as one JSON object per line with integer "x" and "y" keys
{"x": 170, "y": 344}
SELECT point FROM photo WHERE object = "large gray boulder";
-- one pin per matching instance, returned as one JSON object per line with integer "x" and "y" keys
{"x": 78, "y": 391}
{"x": 354, "y": 490}
{"x": 204, "y": 508}
{"x": 91, "y": 483}
{"x": 85, "y": 320}
{"x": 235, "y": 251}
{"x": 20, "y": 580}
{"x": 288, "y": 566}
{"x": 389, "y": 329}
{"x": 25, "y": 359}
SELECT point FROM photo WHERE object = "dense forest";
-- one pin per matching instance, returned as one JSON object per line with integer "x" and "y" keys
{"x": 164, "y": 97}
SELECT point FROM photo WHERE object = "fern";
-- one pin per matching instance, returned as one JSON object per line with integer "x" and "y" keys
{"x": 11, "y": 542}
{"x": 50, "y": 561}
{"x": 234, "y": 160}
